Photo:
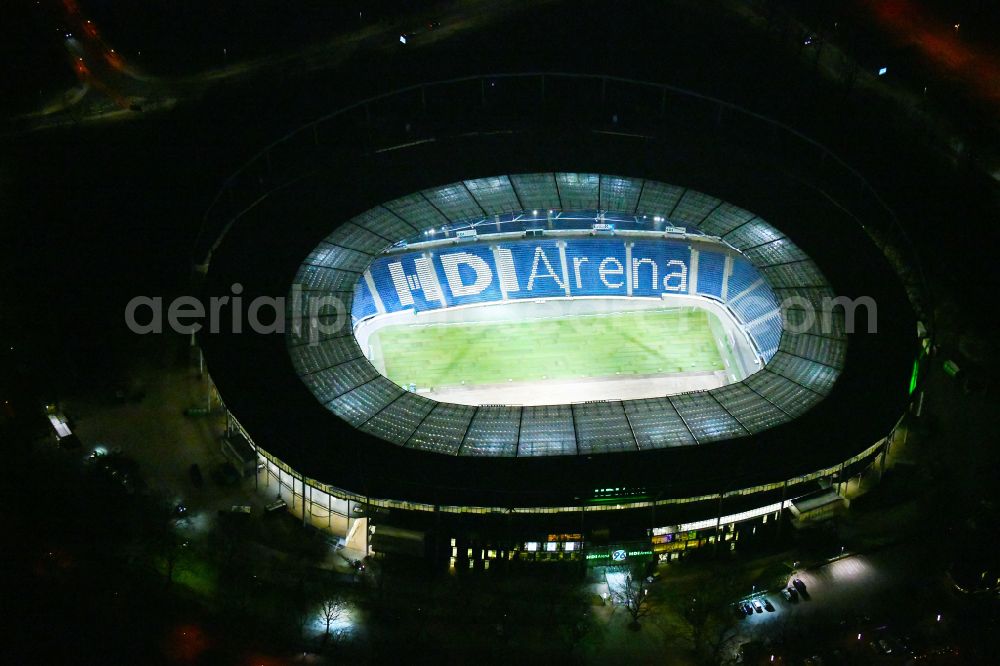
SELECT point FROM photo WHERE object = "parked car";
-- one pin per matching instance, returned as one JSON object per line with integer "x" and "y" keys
{"x": 196, "y": 478}
{"x": 768, "y": 606}
{"x": 121, "y": 470}
{"x": 747, "y": 608}
{"x": 786, "y": 593}
{"x": 799, "y": 585}
{"x": 757, "y": 607}
{"x": 793, "y": 594}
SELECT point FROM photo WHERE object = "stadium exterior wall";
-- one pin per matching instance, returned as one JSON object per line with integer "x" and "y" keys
{"x": 312, "y": 499}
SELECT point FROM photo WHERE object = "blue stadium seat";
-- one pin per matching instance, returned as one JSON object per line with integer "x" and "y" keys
{"x": 538, "y": 269}
{"x": 767, "y": 335}
{"x": 743, "y": 276}
{"x": 711, "y": 267}
{"x": 596, "y": 267}
{"x": 467, "y": 274}
{"x": 660, "y": 267}
{"x": 364, "y": 304}
{"x": 406, "y": 281}
{"x": 754, "y": 304}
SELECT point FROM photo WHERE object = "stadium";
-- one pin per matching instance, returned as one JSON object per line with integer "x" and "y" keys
{"x": 608, "y": 308}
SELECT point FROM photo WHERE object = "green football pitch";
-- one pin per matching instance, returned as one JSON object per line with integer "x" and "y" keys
{"x": 644, "y": 342}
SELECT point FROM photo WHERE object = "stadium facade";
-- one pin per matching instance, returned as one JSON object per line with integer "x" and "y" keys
{"x": 419, "y": 207}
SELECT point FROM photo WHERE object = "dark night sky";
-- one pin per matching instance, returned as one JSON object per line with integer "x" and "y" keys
{"x": 95, "y": 215}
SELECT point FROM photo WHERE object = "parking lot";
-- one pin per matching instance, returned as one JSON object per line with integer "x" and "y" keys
{"x": 856, "y": 599}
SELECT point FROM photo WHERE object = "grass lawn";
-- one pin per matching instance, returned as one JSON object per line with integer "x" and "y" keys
{"x": 644, "y": 342}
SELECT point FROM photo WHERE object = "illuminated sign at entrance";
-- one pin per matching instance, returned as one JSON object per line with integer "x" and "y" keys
{"x": 618, "y": 555}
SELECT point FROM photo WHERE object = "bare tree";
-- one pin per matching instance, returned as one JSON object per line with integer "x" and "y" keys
{"x": 714, "y": 627}
{"x": 331, "y": 610}
{"x": 703, "y": 617}
{"x": 161, "y": 541}
{"x": 851, "y": 72}
{"x": 174, "y": 557}
{"x": 627, "y": 590}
